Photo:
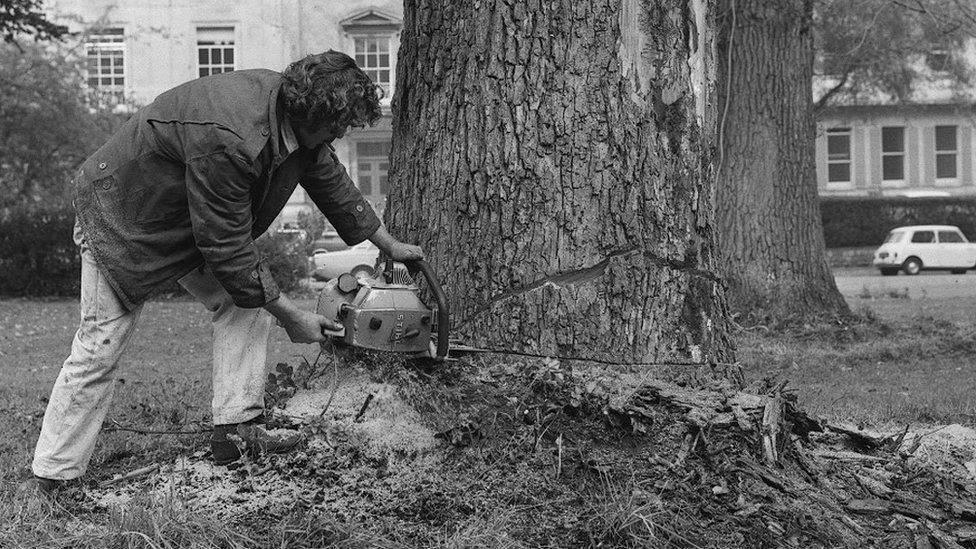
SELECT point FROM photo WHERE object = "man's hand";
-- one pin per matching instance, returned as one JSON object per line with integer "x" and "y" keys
{"x": 308, "y": 327}
{"x": 398, "y": 251}
{"x": 405, "y": 252}
{"x": 301, "y": 326}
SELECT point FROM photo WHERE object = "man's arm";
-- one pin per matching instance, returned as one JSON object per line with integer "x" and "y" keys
{"x": 336, "y": 196}
{"x": 218, "y": 192}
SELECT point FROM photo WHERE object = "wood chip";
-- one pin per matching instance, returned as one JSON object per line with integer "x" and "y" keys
{"x": 845, "y": 455}
{"x": 863, "y": 439}
{"x": 919, "y": 510}
{"x": 922, "y": 541}
{"x": 873, "y": 486}
{"x": 942, "y": 539}
{"x": 965, "y": 534}
{"x": 963, "y": 509}
{"x": 772, "y": 415}
{"x": 132, "y": 474}
{"x": 869, "y": 506}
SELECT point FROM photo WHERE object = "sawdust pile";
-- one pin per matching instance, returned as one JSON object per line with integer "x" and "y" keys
{"x": 541, "y": 454}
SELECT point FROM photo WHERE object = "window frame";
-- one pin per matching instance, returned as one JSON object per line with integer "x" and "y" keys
{"x": 945, "y": 59}
{"x": 886, "y": 155}
{"x": 954, "y": 180}
{"x": 356, "y": 159}
{"x": 215, "y": 28}
{"x": 114, "y": 93}
{"x": 849, "y": 160}
{"x": 373, "y": 23}
{"x": 390, "y": 67}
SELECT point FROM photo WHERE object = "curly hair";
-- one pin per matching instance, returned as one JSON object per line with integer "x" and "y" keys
{"x": 329, "y": 88}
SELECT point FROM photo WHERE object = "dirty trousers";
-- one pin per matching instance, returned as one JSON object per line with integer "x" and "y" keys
{"x": 81, "y": 395}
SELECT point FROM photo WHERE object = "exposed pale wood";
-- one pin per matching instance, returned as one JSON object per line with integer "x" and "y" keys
{"x": 772, "y": 418}
{"x": 141, "y": 472}
{"x": 845, "y": 455}
{"x": 874, "y": 486}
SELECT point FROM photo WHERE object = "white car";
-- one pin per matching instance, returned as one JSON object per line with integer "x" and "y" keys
{"x": 359, "y": 260}
{"x": 925, "y": 247}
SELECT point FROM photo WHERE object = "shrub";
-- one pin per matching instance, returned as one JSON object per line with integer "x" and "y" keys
{"x": 38, "y": 256}
{"x": 285, "y": 257}
{"x": 852, "y": 222}
{"x": 313, "y": 222}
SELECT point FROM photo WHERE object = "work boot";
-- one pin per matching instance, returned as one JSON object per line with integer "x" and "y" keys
{"x": 46, "y": 487}
{"x": 39, "y": 494}
{"x": 230, "y": 442}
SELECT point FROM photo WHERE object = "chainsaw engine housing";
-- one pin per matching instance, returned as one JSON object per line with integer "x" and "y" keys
{"x": 378, "y": 315}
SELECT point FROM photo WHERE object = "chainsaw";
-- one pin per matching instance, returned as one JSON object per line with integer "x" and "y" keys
{"x": 384, "y": 312}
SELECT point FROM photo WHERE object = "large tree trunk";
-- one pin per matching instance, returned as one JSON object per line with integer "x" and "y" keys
{"x": 552, "y": 157}
{"x": 766, "y": 202}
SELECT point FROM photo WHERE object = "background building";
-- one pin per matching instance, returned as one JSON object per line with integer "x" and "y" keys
{"x": 137, "y": 49}
{"x": 924, "y": 146}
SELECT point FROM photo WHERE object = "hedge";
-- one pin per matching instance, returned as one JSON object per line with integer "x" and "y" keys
{"x": 853, "y": 222}
{"x": 37, "y": 254}
{"x": 38, "y": 257}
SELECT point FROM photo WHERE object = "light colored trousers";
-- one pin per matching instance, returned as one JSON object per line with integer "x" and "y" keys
{"x": 82, "y": 393}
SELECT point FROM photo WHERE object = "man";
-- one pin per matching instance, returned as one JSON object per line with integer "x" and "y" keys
{"x": 179, "y": 193}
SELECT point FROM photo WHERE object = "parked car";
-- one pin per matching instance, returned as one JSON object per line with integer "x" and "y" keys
{"x": 329, "y": 240}
{"x": 359, "y": 260}
{"x": 925, "y": 247}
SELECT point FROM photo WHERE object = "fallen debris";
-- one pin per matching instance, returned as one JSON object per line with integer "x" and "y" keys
{"x": 141, "y": 472}
{"x": 561, "y": 454}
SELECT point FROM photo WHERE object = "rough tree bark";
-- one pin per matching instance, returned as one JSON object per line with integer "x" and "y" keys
{"x": 552, "y": 157}
{"x": 770, "y": 233}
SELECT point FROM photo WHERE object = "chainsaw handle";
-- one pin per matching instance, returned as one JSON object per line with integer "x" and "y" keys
{"x": 443, "y": 312}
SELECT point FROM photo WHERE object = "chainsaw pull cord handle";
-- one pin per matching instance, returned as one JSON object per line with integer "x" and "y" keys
{"x": 443, "y": 313}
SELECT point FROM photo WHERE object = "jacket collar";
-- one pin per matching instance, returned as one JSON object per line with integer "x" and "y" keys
{"x": 275, "y": 129}
{"x": 288, "y": 139}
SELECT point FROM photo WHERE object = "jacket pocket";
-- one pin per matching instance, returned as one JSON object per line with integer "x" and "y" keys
{"x": 119, "y": 202}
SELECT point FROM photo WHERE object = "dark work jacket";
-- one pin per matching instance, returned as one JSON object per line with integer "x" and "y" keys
{"x": 194, "y": 178}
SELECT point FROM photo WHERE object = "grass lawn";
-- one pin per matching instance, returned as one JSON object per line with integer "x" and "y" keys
{"x": 165, "y": 378}
{"x": 914, "y": 363}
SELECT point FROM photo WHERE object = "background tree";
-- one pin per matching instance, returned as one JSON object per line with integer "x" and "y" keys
{"x": 766, "y": 201}
{"x": 882, "y": 48}
{"x": 20, "y": 18}
{"x": 553, "y": 158}
{"x": 47, "y": 124}
{"x": 770, "y": 233}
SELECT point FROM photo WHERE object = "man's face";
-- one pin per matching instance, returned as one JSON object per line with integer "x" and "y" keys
{"x": 312, "y": 137}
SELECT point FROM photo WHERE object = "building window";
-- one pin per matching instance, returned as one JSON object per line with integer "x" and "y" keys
{"x": 372, "y": 165}
{"x": 946, "y": 152}
{"x": 373, "y": 56}
{"x": 105, "y": 51}
{"x": 839, "y": 155}
{"x": 938, "y": 60}
{"x": 215, "y": 50}
{"x": 893, "y": 154}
